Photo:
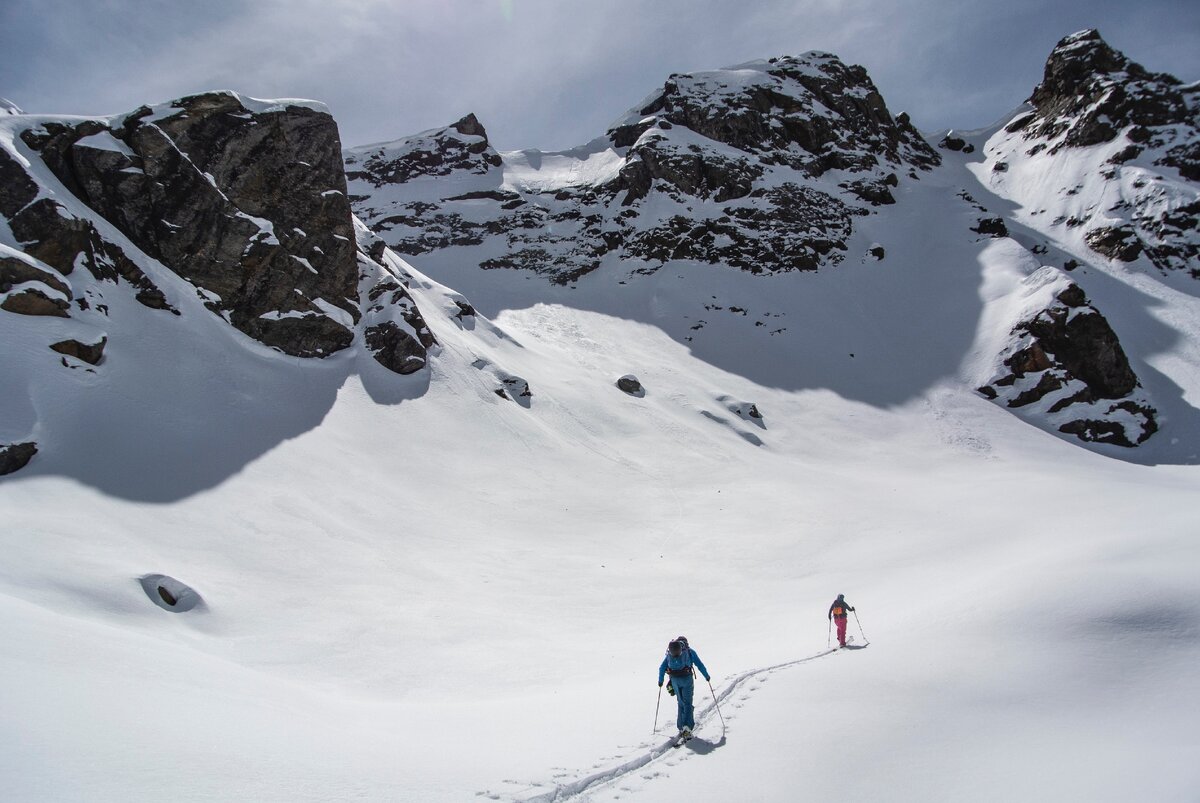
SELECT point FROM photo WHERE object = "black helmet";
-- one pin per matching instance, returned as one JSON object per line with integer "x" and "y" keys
{"x": 675, "y": 648}
{"x": 841, "y": 596}
{"x": 684, "y": 640}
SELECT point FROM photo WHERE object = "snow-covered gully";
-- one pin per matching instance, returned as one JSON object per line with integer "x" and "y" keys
{"x": 649, "y": 753}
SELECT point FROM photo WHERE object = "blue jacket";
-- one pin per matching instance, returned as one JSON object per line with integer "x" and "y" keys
{"x": 685, "y": 661}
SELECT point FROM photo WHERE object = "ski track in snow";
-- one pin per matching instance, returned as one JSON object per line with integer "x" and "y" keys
{"x": 593, "y": 782}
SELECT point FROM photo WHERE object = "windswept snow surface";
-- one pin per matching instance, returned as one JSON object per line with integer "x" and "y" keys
{"x": 538, "y": 171}
{"x": 412, "y": 589}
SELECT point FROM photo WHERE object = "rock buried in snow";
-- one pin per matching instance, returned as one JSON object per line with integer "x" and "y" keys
{"x": 15, "y": 456}
{"x": 89, "y": 353}
{"x": 513, "y": 388}
{"x": 747, "y": 411}
{"x": 170, "y": 594}
{"x": 630, "y": 384}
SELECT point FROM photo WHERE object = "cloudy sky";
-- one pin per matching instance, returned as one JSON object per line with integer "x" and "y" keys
{"x": 549, "y": 74}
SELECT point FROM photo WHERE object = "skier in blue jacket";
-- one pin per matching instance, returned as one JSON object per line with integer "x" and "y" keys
{"x": 681, "y": 662}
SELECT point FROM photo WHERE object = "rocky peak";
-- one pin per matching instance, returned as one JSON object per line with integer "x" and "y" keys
{"x": 460, "y": 147}
{"x": 1132, "y": 139}
{"x": 810, "y": 112}
{"x": 1091, "y": 93}
{"x": 720, "y": 167}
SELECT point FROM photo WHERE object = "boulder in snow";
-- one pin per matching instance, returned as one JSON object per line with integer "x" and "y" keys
{"x": 15, "y": 456}
{"x": 90, "y": 353}
{"x": 170, "y": 594}
{"x": 631, "y": 385}
{"x": 1065, "y": 366}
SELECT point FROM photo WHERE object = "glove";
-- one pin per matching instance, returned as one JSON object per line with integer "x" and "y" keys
{"x": 851, "y": 609}
{"x": 660, "y": 684}
{"x": 707, "y": 679}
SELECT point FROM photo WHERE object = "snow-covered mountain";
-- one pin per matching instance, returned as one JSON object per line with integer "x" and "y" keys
{"x": 796, "y": 164}
{"x": 387, "y": 473}
{"x": 1109, "y": 154}
{"x": 761, "y": 167}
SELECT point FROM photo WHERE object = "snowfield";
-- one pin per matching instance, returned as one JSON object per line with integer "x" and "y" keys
{"x": 455, "y": 597}
{"x": 414, "y": 589}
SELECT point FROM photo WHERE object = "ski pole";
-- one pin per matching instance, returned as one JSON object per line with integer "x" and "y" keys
{"x": 718, "y": 705}
{"x": 656, "y": 705}
{"x": 829, "y": 634}
{"x": 860, "y": 630}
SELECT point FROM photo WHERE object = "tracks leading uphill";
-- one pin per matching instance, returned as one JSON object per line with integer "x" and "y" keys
{"x": 651, "y": 752}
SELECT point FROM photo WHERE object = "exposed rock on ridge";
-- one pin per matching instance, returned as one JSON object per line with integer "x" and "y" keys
{"x": 761, "y": 167}
{"x": 1135, "y": 138}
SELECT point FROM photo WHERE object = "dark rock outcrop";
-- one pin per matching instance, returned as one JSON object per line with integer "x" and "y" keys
{"x": 991, "y": 227}
{"x": 394, "y": 348}
{"x": 630, "y": 384}
{"x": 15, "y": 456}
{"x": 1068, "y": 363}
{"x": 32, "y": 301}
{"x": 90, "y": 353}
{"x": 777, "y": 117}
{"x": 1115, "y": 242}
{"x": 51, "y": 234}
{"x": 395, "y": 332}
{"x": 247, "y": 203}
{"x": 244, "y": 199}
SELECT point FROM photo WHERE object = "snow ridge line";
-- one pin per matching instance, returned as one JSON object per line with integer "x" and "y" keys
{"x": 575, "y": 788}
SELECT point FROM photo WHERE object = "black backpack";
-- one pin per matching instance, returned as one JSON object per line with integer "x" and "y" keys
{"x": 679, "y": 647}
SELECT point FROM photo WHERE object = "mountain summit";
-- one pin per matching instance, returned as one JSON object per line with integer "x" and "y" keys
{"x": 1131, "y": 141}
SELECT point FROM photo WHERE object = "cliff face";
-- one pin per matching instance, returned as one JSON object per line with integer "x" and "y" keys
{"x": 244, "y": 199}
{"x": 214, "y": 204}
{"x": 248, "y": 204}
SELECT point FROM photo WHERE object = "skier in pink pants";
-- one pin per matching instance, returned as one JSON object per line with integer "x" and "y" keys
{"x": 837, "y": 612}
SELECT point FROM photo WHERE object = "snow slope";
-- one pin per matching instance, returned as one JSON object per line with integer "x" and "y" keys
{"x": 413, "y": 588}
{"x": 458, "y": 595}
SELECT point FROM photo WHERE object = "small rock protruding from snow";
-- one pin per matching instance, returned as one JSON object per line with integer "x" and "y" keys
{"x": 991, "y": 227}
{"x": 91, "y": 353}
{"x": 952, "y": 142}
{"x": 170, "y": 594}
{"x": 631, "y": 385}
{"x": 465, "y": 310}
{"x": 745, "y": 410}
{"x": 514, "y": 388}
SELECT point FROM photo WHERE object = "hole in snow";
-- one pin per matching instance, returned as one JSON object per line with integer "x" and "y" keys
{"x": 170, "y": 594}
